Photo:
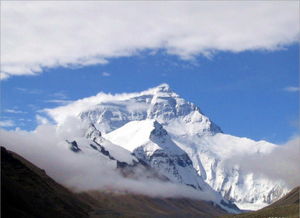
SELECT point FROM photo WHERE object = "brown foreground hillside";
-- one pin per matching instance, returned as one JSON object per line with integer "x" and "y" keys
{"x": 27, "y": 191}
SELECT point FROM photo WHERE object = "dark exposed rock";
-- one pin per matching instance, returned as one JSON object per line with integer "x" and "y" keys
{"x": 103, "y": 150}
{"x": 74, "y": 146}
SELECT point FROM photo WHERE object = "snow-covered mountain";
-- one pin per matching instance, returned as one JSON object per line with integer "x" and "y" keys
{"x": 150, "y": 142}
{"x": 173, "y": 136}
{"x": 147, "y": 152}
{"x": 159, "y": 103}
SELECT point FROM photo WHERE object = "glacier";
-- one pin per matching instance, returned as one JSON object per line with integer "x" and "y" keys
{"x": 174, "y": 137}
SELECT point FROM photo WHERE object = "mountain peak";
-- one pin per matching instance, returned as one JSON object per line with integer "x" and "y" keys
{"x": 162, "y": 88}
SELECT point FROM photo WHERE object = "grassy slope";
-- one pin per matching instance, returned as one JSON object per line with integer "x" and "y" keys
{"x": 130, "y": 205}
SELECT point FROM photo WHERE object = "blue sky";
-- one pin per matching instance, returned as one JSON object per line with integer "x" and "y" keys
{"x": 245, "y": 93}
{"x": 243, "y": 72}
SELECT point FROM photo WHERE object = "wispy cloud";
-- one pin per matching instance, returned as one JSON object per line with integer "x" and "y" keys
{"x": 7, "y": 123}
{"x": 30, "y": 91}
{"x": 106, "y": 74}
{"x": 41, "y": 120}
{"x": 60, "y": 98}
{"x": 33, "y": 107}
{"x": 60, "y": 95}
{"x": 280, "y": 163}
{"x": 59, "y": 101}
{"x": 13, "y": 111}
{"x": 292, "y": 89}
{"x": 180, "y": 28}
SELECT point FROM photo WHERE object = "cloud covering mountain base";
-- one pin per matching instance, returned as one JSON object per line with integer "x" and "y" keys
{"x": 46, "y": 148}
{"x": 281, "y": 163}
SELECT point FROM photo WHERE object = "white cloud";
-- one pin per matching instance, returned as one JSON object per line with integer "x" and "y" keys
{"x": 41, "y": 34}
{"x": 30, "y": 91}
{"x": 60, "y": 95}
{"x": 105, "y": 74}
{"x": 59, "y": 101}
{"x": 6, "y": 123}
{"x": 13, "y": 111}
{"x": 41, "y": 120}
{"x": 4, "y": 76}
{"x": 292, "y": 89}
{"x": 46, "y": 148}
{"x": 281, "y": 163}
{"x": 61, "y": 113}
{"x": 61, "y": 98}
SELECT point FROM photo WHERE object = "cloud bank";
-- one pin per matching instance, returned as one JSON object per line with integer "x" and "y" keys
{"x": 14, "y": 111}
{"x": 74, "y": 108}
{"x": 37, "y": 35}
{"x": 281, "y": 163}
{"x": 46, "y": 148}
{"x": 7, "y": 123}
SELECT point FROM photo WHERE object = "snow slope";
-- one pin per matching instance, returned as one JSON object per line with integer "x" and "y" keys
{"x": 151, "y": 143}
{"x": 211, "y": 156}
{"x": 115, "y": 151}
